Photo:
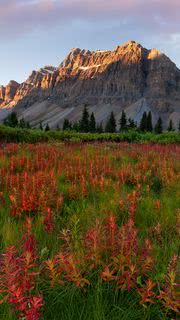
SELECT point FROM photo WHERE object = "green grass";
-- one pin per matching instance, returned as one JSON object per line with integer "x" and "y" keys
{"x": 99, "y": 304}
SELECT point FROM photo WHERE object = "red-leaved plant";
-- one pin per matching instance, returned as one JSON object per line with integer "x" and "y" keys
{"x": 18, "y": 277}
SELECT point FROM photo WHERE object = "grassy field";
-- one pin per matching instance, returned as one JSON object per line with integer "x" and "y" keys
{"x": 89, "y": 231}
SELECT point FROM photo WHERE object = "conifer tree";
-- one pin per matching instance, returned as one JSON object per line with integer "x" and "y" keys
{"x": 40, "y": 125}
{"x": 149, "y": 122}
{"x": 14, "y": 119}
{"x": 11, "y": 120}
{"x": 84, "y": 122}
{"x": 123, "y": 121}
{"x": 143, "y": 123}
{"x": 22, "y": 123}
{"x": 131, "y": 124}
{"x": 170, "y": 127}
{"x": 111, "y": 123}
{"x": 47, "y": 128}
{"x": 66, "y": 124}
{"x": 76, "y": 126}
{"x": 158, "y": 127}
{"x": 28, "y": 126}
{"x": 100, "y": 128}
{"x": 92, "y": 123}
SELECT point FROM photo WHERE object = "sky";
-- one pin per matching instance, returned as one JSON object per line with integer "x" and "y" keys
{"x": 35, "y": 33}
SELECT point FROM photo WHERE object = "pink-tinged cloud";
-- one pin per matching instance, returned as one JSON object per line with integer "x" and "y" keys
{"x": 23, "y": 16}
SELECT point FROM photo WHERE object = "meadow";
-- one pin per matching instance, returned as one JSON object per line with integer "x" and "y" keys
{"x": 89, "y": 231}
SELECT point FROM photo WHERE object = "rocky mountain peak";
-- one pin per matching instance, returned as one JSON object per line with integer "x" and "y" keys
{"x": 8, "y": 93}
{"x": 37, "y": 76}
{"x": 73, "y": 59}
{"x": 154, "y": 53}
{"x": 47, "y": 70}
{"x": 83, "y": 59}
{"x": 129, "y": 45}
{"x": 2, "y": 93}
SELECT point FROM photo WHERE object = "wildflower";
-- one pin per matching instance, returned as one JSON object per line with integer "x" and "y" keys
{"x": 108, "y": 275}
{"x": 146, "y": 292}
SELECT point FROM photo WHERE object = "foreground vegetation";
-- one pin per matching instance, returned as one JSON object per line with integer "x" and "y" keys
{"x": 89, "y": 231}
{"x": 8, "y": 134}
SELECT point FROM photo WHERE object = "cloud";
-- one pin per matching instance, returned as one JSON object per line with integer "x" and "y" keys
{"x": 18, "y": 17}
{"x": 151, "y": 22}
{"x": 29, "y": 28}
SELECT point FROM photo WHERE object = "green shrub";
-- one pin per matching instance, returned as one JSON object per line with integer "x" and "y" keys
{"x": 8, "y": 134}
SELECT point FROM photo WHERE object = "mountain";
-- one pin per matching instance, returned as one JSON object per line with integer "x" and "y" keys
{"x": 130, "y": 77}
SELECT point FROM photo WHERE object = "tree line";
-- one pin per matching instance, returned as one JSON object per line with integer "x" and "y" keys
{"x": 88, "y": 123}
{"x": 13, "y": 122}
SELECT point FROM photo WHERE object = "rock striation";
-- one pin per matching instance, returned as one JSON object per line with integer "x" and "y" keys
{"x": 130, "y": 77}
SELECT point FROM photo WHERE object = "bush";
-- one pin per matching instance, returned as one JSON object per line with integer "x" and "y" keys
{"x": 8, "y": 134}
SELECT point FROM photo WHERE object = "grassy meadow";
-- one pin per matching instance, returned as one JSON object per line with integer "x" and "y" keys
{"x": 89, "y": 231}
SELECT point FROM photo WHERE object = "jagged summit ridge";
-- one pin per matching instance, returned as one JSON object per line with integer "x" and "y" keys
{"x": 129, "y": 77}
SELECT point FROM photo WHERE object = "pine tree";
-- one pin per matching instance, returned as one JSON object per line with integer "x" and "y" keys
{"x": 76, "y": 126}
{"x": 40, "y": 125}
{"x": 131, "y": 124}
{"x": 100, "y": 128}
{"x": 143, "y": 123}
{"x": 47, "y": 128}
{"x": 170, "y": 127}
{"x": 149, "y": 122}
{"x": 123, "y": 121}
{"x": 67, "y": 124}
{"x": 111, "y": 123}
{"x": 14, "y": 119}
{"x": 92, "y": 123}
{"x": 11, "y": 120}
{"x": 28, "y": 126}
{"x": 158, "y": 126}
{"x": 22, "y": 123}
{"x": 84, "y": 122}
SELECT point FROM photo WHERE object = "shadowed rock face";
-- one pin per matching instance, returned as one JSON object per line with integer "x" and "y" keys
{"x": 130, "y": 77}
